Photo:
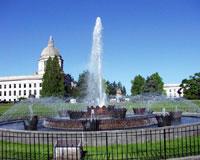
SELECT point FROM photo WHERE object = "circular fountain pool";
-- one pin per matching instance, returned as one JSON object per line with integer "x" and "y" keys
{"x": 19, "y": 125}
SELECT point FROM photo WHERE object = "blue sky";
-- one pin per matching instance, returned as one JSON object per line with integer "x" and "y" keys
{"x": 140, "y": 36}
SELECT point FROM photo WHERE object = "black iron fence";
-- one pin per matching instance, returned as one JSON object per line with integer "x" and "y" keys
{"x": 148, "y": 143}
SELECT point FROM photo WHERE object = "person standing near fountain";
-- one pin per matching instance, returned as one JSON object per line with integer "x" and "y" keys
{"x": 95, "y": 91}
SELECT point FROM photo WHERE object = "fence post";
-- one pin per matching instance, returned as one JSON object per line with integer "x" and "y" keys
{"x": 106, "y": 146}
{"x": 48, "y": 146}
{"x": 165, "y": 150}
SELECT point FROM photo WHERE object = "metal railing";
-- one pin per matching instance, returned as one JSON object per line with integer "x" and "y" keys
{"x": 148, "y": 143}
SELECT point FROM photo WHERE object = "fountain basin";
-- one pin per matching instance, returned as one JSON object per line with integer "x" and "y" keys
{"x": 31, "y": 124}
{"x": 164, "y": 120}
{"x": 139, "y": 111}
{"x": 176, "y": 115}
{"x": 98, "y": 113}
{"x": 103, "y": 124}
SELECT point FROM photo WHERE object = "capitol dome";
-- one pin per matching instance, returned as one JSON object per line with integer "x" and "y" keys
{"x": 50, "y": 50}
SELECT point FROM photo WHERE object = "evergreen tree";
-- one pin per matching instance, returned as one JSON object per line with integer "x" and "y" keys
{"x": 53, "y": 79}
{"x": 137, "y": 85}
{"x": 46, "y": 84}
{"x": 82, "y": 84}
{"x": 124, "y": 90}
{"x": 58, "y": 78}
{"x": 154, "y": 84}
{"x": 111, "y": 88}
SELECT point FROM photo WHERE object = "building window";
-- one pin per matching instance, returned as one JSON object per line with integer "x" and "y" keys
{"x": 29, "y": 85}
{"x": 9, "y": 93}
{"x": 14, "y": 93}
{"x": 40, "y": 84}
{"x": 14, "y": 85}
{"x": 19, "y": 93}
{"x": 35, "y": 85}
{"x": 0, "y": 86}
{"x": 9, "y": 85}
{"x": 24, "y": 85}
{"x": 20, "y": 85}
{"x": 24, "y": 92}
{"x": 4, "y": 93}
{"x": 0, "y": 93}
{"x": 35, "y": 92}
{"x": 29, "y": 92}
{"x": 9, "y": 100}
{"x": 5, "y": 86}
{"x": 170, "y": 90}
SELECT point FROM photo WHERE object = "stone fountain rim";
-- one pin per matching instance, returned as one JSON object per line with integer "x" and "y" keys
{"x": 104, "y": 131}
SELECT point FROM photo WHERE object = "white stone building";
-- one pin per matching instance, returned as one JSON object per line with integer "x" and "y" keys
{"x": 15, "y": 87}
{"x": 172, "y": 90}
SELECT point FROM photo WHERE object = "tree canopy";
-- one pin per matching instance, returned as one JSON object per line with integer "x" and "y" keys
{"x": 137, "y": 85}
{"x": 111, "y": 88}
{"x": 53, "y": 79}
{"x": 82, "y": 84}
{"x": 154, "y": 84}
{"x": 191, "y": 87}
{"x": 71, "y": 89}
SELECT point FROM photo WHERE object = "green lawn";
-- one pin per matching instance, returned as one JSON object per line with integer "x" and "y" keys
{"x": 178, "y": 147}
{"x": 5, "y": 107}
{"x": 197, "y": 102}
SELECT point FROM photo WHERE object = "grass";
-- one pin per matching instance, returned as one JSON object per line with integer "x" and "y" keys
{"x": 21, "y": 151}
{"x": 5, "y": 107}
{"x": 197, "y": 102}
{"x": 178, "y": 147}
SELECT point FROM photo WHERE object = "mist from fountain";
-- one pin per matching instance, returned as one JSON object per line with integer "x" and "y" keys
{"x": 95, "y": 91}
{"x": 157, "y": 102}
{"x": 43, "y": 107}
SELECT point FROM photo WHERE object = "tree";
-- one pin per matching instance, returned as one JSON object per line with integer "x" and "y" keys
{"x": 111, "y": 88}
{"x": 154, "y": 84}
{"x": 191, "y": 87}
{"x": 71, "y": 89}
{"x": 82, "y": 84}
{"x": 53, "y": 79}
{"x": 124, "y": 90}
{"x": 137, "y": 85}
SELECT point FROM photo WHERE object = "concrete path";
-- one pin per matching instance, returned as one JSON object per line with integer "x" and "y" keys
{"x": 187, "y": 158}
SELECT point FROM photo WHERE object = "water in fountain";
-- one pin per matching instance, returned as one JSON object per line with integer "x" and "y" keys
{"x": 95, "y": 91}
{"x": 43, "y": 107}
{"x": 30, "y": 111}
{"x": 157, "y": 102}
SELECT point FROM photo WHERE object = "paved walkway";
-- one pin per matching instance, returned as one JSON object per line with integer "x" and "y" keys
{"x": 187, "y": 158}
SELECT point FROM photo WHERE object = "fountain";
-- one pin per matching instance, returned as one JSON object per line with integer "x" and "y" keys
{"x": 98, "y": 116}
{"x": 95, "y": 92}
{"x": 31, "y": 124}
{"x": 53, "y": 113}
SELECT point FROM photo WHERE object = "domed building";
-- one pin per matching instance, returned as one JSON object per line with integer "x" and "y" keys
{"x": 13, "y": 88}
{"x": 49, "y": 51}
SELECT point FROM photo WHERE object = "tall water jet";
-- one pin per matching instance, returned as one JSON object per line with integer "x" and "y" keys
{"x": 95, "y": 90}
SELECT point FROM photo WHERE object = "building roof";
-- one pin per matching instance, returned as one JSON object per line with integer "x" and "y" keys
{"x": 50, "y": 50}
{"x": 20, "y": 78}
{"x": 171, "y": 85}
